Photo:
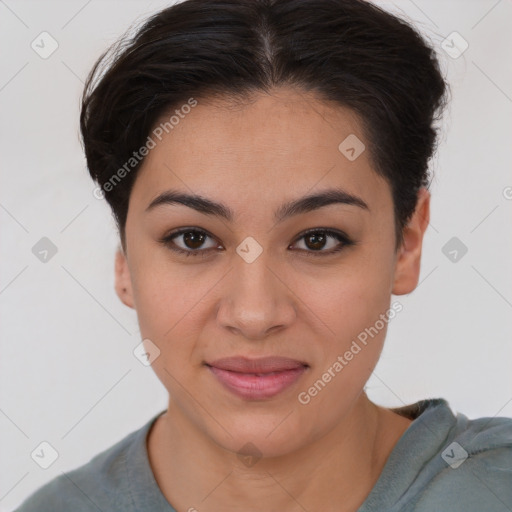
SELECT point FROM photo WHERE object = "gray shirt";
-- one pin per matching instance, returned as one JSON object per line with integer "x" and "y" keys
{"x": 442, "y": 463}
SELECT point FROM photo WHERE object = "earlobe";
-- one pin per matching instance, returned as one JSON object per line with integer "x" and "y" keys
{"x": 123, "y": 282}
{"x": 407, "y": 269}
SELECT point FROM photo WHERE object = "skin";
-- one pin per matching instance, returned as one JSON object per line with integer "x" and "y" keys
{"x": 328, "y": 454}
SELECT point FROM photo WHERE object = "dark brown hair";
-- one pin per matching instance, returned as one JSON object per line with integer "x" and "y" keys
{"x": 347, "y": 51}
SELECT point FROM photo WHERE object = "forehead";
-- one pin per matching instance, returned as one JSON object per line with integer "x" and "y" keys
{"x": 276, "y": 146}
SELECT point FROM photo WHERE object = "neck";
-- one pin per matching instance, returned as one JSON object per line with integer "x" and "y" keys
{"x": 334, "y": 472}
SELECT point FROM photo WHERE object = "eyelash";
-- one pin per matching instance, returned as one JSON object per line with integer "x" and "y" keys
{"x": 340, "y": 236}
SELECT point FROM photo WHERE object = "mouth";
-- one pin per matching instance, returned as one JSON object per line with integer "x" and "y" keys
{"x": 257, "y": 379}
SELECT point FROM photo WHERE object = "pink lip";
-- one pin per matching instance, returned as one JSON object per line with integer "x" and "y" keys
{"x": 257, "y": 379}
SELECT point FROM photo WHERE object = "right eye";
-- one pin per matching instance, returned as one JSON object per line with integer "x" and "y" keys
{"x": 191, "y": 241}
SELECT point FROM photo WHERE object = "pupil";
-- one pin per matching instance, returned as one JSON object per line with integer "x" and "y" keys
{"x": 193, "y": 238}
{"x": 319, "y": 243}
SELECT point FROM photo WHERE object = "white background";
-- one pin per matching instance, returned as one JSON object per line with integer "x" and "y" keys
{"x": 68, "y": 375}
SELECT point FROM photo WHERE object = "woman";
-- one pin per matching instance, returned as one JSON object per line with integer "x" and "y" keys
{"x": 267, "y": 166}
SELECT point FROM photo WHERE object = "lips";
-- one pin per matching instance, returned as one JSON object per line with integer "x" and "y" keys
{"x": 257, "y": 379}
{"x": 262, "y": 365}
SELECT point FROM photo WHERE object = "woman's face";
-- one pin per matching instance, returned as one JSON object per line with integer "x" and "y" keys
{"x": 254, "y": 285}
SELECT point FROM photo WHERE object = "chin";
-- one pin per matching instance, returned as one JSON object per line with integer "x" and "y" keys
{"x": 261, "y": 436}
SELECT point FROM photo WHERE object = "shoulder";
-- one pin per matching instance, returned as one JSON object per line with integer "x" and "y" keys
{"x": 474, "y": 468}
{"x": 101, "y": 484}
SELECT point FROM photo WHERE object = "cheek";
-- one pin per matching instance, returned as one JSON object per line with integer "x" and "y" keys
{"x": 165, "y": 301}
{"x": 170, "y": 305}
{"x": 352, "y": 297}
{"x": 355, "y": 308}
{"x": 349, "y": 348}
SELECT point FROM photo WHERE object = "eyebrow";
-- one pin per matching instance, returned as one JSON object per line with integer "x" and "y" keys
{"x": 297, "y": 206}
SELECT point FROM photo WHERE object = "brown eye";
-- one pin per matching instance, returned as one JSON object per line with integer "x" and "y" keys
{"x": 317, "y": 240}
{"x": 189, "y": 242}
{"x": 193, "y": 239}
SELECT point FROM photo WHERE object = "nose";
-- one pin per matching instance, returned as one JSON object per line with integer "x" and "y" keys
{"x": 256, "y": 300}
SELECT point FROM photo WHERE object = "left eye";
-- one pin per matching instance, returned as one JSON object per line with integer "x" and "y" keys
{"x": 317, "y": 240}
{"x": 314, "y": 242}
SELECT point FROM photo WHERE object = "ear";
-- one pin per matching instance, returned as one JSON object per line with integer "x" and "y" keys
{"x": 123, "y": 282}
{"x": 407, "y": 269}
